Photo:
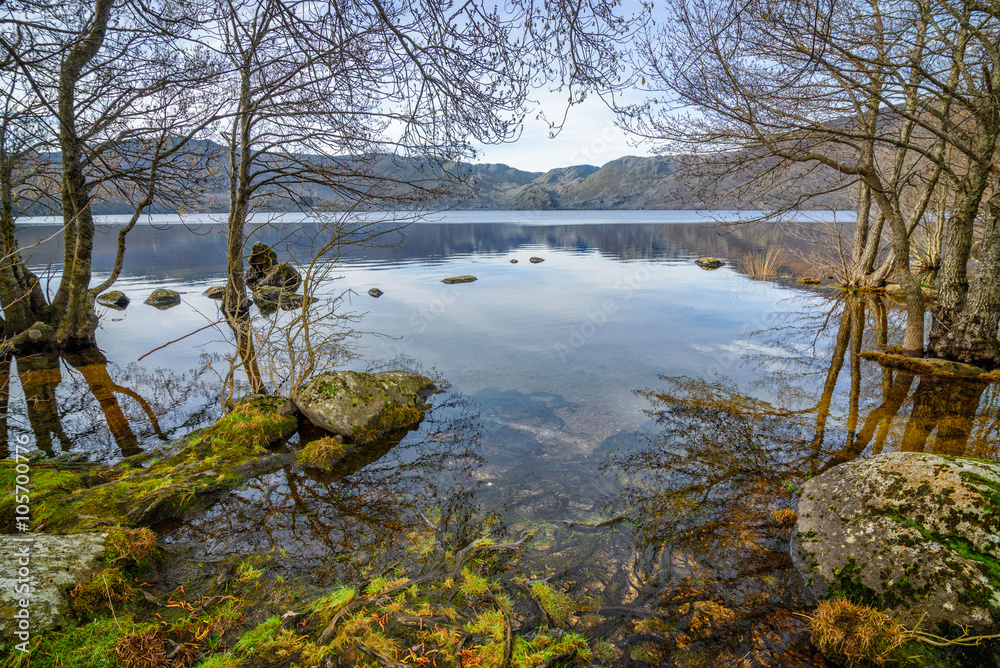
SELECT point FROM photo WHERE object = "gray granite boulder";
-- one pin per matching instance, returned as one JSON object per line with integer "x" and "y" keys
{"x": 913, "y": 534}
{"x": 37, "y": 569}
{"x": 352, "y": 403}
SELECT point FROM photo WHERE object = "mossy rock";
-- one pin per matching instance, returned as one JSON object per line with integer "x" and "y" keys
{"x": 913, "y": 534}
{"x": 163, "y": 298}
{"x": 709, "y": 263}
{"x": 262, "y": 259}
{"x": 115, "y": 299}
{"x": 283, "y": 276}
{"x": 363, "y": 407}
{"x": 468, "y": 278}
{"x": 215, "y": 292}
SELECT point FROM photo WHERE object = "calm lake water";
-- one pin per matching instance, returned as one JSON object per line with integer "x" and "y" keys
{"x": 615, "y": 381}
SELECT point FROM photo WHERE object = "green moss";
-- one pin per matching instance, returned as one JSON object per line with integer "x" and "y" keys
{"x": 472, "y": 584}
{"x": 392, "y": 417}
{"x": 490, "y": 623}
{"x": 558, "y": 605}
{"x": 91, "y": 644}
{"x": 108, "y": 591}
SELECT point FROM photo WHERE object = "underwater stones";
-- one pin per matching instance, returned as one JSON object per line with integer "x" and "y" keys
{"x": 913, "y": 534}
{"x": 216, "y": 292}
{"x": 114, "y": 299}
{"x": 709, "y": 263}
{"x": 364, "y": 406}
{"x": 376, "y": 293}
{"x": 163, "y": 298}
{"x": 53, "y": 565}
{"x": 459, "y": 279}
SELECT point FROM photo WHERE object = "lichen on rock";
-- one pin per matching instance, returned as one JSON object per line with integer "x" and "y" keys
{"x": 914, "y": 534}
{"x": 363, "y": 406}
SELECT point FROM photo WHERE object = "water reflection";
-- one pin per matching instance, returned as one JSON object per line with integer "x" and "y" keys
{"x": 79, "y": 402}
{"x": 707, "y": 492}
{"x": 385, "y": 510}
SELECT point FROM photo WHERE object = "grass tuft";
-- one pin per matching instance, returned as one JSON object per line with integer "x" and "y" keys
{"x": 761, "y": 266}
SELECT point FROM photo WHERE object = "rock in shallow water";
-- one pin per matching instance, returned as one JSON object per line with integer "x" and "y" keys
{"x": 459, "y": 279}
{"x": 363, "y": 406}
{"x": 709, "y": 262}
{"x": 914, "y": 534}
{"x": 163, "y": 298}
{"x": 114, "y": 299}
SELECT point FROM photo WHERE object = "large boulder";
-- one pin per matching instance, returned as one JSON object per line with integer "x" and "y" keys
{"x": 364, "y": 406}
{"x": 913, "y": 534}
{"x": 49, "y": 565}
{"x": 262, "y": 259}
{"x": 283, "y": 276}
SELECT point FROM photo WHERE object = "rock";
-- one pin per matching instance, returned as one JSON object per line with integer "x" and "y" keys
{"x": 535, "y": 260}
{"x": 267, "y": 295}
{"x": 513, "y": 260}
{"x": 376, "y": 293}
{"x": 291, "y": 301}
{"x": 216, "y": 292}
{"x": 283, "y": 276}
{"x": 53, "y": 564}
{"x": 114, "y": 299}
{"x": 36, "y": 335}
{"x": 913, "y": 534}
{"x": 459, "y": 279}
{"x": 163, "y": 298}
{"x": 896, "y": 290}
{"x": 809, "y": 280}
{"x": 262, "y": 259}
{"x": 363, "y": 406}
{"x": 709, "y": 263}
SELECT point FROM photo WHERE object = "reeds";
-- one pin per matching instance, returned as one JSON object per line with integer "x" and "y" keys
{"x": 761, "y": 265}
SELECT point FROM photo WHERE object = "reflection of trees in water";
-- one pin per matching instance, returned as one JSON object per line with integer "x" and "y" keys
{"x": 704, "y": 491}
{"x": 342, "y": 528}
{"x": 78, "y": 401}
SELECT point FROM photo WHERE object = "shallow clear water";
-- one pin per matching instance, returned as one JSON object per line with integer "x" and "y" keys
{"x": 616, "y": 379}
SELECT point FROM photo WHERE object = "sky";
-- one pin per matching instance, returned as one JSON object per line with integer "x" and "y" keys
{"x": 589, "y": 137}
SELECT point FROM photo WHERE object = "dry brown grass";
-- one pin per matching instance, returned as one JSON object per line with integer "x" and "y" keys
{"x": 761, "y": 265}
{"x": 134, "y": 544}
{"x": 855, "y": 633}
{"x": 785, "y": 517}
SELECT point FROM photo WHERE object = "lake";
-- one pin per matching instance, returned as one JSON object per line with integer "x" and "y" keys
{"x": 644, "y": 417}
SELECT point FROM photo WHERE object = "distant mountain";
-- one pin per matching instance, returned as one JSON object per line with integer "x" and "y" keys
{"x": 626, "y": 183}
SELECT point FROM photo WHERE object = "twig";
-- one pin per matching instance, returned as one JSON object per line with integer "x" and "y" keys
{"x": 168, "y": 343}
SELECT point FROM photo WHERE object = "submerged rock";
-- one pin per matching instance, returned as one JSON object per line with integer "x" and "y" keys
{"x": 163, "y": 298}
{"x": 216, "y": 292}
{"x": 114, "y": 299}
{"x": 376, "y": 293}
{"x": 364, "y": 406}
{"x": 51, "y": 566}
{"x": 709, "y": 263}
{"x": 459, "y": 279}
{"x": 913, "y": 534}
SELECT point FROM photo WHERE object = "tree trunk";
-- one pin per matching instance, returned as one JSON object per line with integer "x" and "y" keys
{"x": 972, "y": 335}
